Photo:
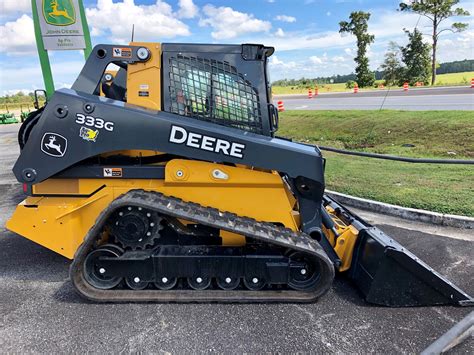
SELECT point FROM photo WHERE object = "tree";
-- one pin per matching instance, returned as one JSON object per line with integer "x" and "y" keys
{"x": 416, "y": 57}
{"x": 392, "y": 66}
{"x": 358, "y": 27}
{"x": 437, "y": 11}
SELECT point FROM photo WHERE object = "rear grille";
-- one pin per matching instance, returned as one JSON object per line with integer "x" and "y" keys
{"x": 213, "y": 91}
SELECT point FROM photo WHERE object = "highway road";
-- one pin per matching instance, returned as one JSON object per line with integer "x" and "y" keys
{"x": 446, "y": 98}
{"x": 40, "y": 311}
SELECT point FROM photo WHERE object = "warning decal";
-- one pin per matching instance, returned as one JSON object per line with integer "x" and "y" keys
{"x": 112, "y": 172}
{"x": 122, "y": 53}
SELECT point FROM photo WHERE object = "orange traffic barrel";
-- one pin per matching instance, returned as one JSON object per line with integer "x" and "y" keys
{"x": 280, "y": 106}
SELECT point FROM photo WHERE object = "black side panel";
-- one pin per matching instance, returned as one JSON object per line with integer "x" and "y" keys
{"x": 223, "y": 84}
{"x": 120, "y": 127}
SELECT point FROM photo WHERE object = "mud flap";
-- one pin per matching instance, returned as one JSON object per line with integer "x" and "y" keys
{"x": 389, "y": 275}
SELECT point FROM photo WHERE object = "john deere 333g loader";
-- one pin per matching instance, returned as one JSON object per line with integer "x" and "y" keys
{"x": 163, "y": 180}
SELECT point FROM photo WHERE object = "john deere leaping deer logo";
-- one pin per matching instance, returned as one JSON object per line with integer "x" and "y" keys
{"x": 59, "y": 12}
{"x": 54, "y": 144}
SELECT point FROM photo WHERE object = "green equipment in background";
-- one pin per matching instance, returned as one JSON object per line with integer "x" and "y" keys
{"x": 7, "y": 117}
{"x": 24, "y": 114}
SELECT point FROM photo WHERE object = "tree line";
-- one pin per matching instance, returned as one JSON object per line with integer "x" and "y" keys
{"x": 18, "y": 98}
{"x": 456, "y": 66}
{"x": 444, "y": 68}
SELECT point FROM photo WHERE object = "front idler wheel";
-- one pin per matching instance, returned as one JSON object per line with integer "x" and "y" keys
{"x": 94, "y": 270}
{"x": 304, "y": 272}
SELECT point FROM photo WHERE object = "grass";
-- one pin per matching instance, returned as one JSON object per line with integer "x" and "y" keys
{"x": 441, "y": 80}
{"x": 455, "y": 78}
{"x": 440, "y": 188}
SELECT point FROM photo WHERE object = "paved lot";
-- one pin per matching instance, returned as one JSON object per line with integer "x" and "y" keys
{"x": 40, "y": 311}
{"x": 459, "y": 98}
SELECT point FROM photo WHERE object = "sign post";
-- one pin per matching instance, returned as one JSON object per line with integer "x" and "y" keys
{"x": 59, "y": 25}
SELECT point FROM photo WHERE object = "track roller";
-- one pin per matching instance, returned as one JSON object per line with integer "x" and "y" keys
{"x": 199, "y": 282}
{"x": 228, "y": 282}
{"x": 166, "y": 283}
{"x": 135, "y": 283}
{"x": 254, "y": 283}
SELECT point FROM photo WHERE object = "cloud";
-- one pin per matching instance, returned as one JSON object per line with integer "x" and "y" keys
{"x": 315, "y": 60}
{"x": 228, "y": 23}
{"x": 277, "y": 63}
{"x": 280, "y": 33}
{"x": 151, "y": 21}
{"x": 390, "y": 23}
{"x": 9, "y": 7}
{"x": 302, "y": 40}
{"x": 338, "y": 59}
{"x": 458, "y": 47}
{"x": 187, "y": 9}
{"x": 311, "y": 67}
{"x": 285, "y": 18}
{"x": 18, "y": 37}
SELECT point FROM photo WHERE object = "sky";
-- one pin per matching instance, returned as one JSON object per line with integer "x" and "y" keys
{"x": 303, "y": 32}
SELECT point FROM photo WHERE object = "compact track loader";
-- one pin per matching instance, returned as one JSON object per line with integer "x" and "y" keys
{"x": 162, "y": 178}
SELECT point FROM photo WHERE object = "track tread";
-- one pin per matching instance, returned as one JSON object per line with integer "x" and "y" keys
{"x": 212, "y": 217}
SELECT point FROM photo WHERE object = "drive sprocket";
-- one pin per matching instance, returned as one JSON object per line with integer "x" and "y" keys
{"x": 135, "y": 227}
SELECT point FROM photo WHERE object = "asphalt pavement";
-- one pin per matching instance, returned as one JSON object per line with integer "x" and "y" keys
{"x": 445, "y": 98}
{"x": 40, "y": 311}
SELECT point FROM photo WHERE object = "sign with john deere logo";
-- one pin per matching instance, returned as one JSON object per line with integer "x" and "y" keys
{"x": 61, "y": 25}
{"x": 59, "y": 12}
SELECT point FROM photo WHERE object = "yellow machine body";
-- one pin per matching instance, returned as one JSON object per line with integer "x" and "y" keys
{"x": 60, "y": 223}
{"x": 144, "y": 79}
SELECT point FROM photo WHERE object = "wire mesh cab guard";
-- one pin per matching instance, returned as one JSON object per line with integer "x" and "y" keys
{"x": 224, "y": 84}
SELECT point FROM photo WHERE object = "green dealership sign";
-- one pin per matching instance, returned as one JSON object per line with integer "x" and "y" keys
{"x": 61, "y": 24}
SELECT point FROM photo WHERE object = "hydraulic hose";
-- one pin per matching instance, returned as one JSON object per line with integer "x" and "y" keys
{"x": 396, "y": 158}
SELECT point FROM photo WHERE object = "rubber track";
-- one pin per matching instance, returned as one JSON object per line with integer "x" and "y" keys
{"x": 261, "y": 231}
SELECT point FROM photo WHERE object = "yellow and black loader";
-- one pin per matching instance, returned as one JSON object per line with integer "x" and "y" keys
{"x": 159, "y": 174}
